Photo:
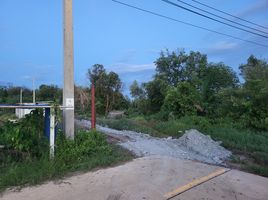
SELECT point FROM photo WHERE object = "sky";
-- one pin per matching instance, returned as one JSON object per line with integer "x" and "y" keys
{"x": 123, "y": 39}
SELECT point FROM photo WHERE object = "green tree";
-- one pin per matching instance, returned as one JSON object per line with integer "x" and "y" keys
{"x": 113, "y": 88}
{"x": 136, "y": 91}
{"x": 217, "y": 78}
{"x": 156, "y": 92}
{"x": 170, "y": 67}
{"x": 176, "y": 67}
{"x": 255, "y": 73}
{"x": 49, "y": 93}
{"x": 108, "y": 88}
{"x": 173, "y": 69}
{"x": 181, "y": 100}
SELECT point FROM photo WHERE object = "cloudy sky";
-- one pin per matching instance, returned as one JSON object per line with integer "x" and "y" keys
{"x": 123, "y": 39}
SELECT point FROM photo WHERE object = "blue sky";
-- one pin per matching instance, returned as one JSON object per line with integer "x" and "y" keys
{"x": 124, "y": 40}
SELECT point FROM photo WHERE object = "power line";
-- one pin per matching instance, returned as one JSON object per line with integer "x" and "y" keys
{"x": 221, "y": 17}
{"x": 186, "y": 23}
{"x": 213, "y": 8}
{"x": 197, "y": 13}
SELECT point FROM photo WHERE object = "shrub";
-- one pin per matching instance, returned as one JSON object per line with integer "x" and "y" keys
{"x": 87, "y": 151}
{"x": 27, "y": 135}
{"x": 181, "y": 100}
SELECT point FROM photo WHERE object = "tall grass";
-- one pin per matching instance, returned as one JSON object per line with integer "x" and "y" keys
{"x": 89, "y": 150}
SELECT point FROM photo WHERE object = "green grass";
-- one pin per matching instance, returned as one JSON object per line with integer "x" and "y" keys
{"x": 88, "y": 151}
{"x": 249, "y": 143}
{"x": 138, "y": 125}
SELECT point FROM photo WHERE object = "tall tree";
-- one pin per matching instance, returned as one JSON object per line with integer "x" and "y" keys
{"x": 136, "y": 91}
{"x": 107, "y": 86}
{"x": 255, "y": 73}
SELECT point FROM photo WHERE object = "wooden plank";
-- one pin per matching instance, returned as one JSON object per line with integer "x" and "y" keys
{"x": 195, "y": 183}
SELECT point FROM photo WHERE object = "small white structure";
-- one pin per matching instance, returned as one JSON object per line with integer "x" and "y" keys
{"x": 21, "y": 112}
{"x": 116, "y": 114}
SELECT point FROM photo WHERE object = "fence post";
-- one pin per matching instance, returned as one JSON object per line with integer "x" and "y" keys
{"x": 47, "y": 122}
{"x": 52, "y": 133}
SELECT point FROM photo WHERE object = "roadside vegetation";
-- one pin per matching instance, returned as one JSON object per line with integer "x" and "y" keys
{"x": 24, "y": 155}
{"x": 186, "y": 91}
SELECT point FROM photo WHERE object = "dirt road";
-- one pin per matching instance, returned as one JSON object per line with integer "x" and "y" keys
{"x": 149, "y": 178}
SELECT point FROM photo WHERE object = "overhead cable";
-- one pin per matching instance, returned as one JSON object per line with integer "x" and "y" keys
{"x": 224, "y": 18}
{"x": 216, "y": 20}
{"x": 187, "y": 23}
{"x": 213, "y": 8}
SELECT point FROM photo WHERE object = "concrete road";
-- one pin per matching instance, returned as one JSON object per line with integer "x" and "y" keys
{"x": 148, "y": 178}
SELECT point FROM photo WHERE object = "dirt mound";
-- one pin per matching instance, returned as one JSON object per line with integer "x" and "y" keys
{"x": 204, "y": 145}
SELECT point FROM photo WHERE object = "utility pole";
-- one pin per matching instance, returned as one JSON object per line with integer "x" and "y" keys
{"x": 33, "y": 90}
{"x": 68, "y": 83}
{"x": 20, "y": 95}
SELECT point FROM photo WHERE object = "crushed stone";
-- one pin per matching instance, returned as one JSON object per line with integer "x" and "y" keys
{"x": 204, "y": 145}
{"x": 193, "y": 145}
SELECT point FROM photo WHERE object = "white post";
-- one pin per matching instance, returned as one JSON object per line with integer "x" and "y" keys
{"x": 52, "y": 133}
{"x": 33, "y": 90}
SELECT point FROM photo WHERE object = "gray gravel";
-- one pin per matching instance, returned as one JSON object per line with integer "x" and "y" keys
{"x": 193, "y": 145}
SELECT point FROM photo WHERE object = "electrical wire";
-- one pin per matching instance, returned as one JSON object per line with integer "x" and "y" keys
{"x": 186, "y": 23}
{"x": 215, "y": 15}
{"x": 216, "y": 20}
{"x": 213, "y": 8}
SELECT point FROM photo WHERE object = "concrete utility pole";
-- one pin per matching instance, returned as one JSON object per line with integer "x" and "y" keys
{"x": 20, "y": 95}
{"x": 68, "y": 85}
{"x": 33, "y": 90}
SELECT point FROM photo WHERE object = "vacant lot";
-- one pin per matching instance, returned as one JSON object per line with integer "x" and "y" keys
{"x": 250, "y": 148}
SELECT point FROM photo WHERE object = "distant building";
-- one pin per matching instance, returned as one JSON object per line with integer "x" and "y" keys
{"x": 21, "y": 112}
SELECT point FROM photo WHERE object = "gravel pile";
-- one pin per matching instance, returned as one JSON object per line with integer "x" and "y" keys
{"x": 193, "y": 145}
{"x": 204, "y": 145}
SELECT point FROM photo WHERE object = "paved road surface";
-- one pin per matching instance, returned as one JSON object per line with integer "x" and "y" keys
{"x": 149, "y": 178}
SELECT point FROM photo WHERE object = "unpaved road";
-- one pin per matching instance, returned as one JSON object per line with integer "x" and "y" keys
{"x": 149, "y": 178}
{"x": 202, "y": 148}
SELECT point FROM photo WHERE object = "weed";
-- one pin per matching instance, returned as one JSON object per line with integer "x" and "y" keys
{"x": 89, "y": 150}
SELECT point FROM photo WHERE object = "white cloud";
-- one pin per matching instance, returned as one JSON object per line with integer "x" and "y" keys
{"x": 127, "y": 55}
{"x": 124, "y": 68}
{"x": 221, "y": 47}
{"x": 257, "y": 7}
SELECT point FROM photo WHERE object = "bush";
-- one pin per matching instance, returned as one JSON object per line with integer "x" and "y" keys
{"x": 27, "y": 135}
{"x": 85, "y": 144}
{"x": 87, "y": 151}
{"x": 181, "y": 100}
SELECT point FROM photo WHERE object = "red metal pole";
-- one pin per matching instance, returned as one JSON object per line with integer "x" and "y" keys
{"x": 93, "y": 109}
